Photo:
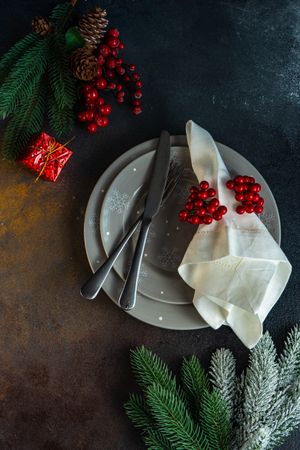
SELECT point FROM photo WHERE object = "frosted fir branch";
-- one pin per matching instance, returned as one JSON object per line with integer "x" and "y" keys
{"x": 260, "y": 385}
{"x": 289, "y": 361}
{"x": 223, "y": 377}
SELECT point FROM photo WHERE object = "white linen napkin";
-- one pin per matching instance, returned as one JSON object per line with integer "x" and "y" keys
{"x": 234, "y": 265}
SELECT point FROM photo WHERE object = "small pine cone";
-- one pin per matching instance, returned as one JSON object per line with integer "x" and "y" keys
{"x": 93, "y": 25}
{"x": 84, "y": 63}
{"x": 41, "y": 26}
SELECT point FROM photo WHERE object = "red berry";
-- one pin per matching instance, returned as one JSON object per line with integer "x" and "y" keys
{"x": 110, "y": 74}
{"x": 121, "y": 94}
{"x": 101, "y": 60}
{"x": 111, "y": 86}
{"x": 240, "y": 197}
{"x": 258, "y": 209}
{"x": 201, "y": 211}
{"x": 126, "y": 78}
{"x": 217, "y": 215}
{"x": 86, "y": 88}
{"x": 240, "y": 209}
{"x": 239, "y": 179}
{"x": 120, "y": 99}
{"x": 251, "y": 180}
{"x": 260, "y": 201}
{"x": 204, "y": 185}
{"x": 136, "y": 110}
{"x": 110, "y": 62}
{"x": 104, "y": 50}
{"x": 99, "y": 71}
{"x": 100, "y": 101}
{"x": 249, "y": 197}
{"x": 211, "y": 192}
{"x": 92, "y": 94}
{"x": 132, "y": 67}
{"x": 119, "y": 87}
{"x": 215, "y": 202}
{"x": 138, "y": 94}
{"x": 195, "y": 220}
{"x": 198, "y": 203}
{"x": 113, "y": 42}
{"x": 102, "y": 121}
{"x": 105, "y": 110}
{"x": 121, "y": 46}
{"x": 207, "y": 219}
{"x": 255, "y": 197}
{"x": 210, "y": 209}
{"x": 114, "y": 32}
{"x": 183, "y": 215}
{"x": 82, "y": 116}
{"x": 239, "y": 188}
{"x": 136, "y": 102}
{"x": 138, "y": 84}
{"x": 202, "y": 195}
{"x": 92, "y": 127}
{"x": 136, "y": 76}
{"x": 192, "y": 197}
{"x": 101, "y": 83}
{"x": 245, "y": 179}
{"x": 90, "y": 105}
{"x": 230, "y": 184}
{"x": 194, "y": 190}
{"x": 256, "y": 187}
{"x": 89, "y": 115}
{"x": 120, "y": 70}
{"x": 189, "y": 206}
{"x": 222, "y": 210}
{"x": 119, "y": 61}
{"x": 114, "y": 52}
{"x": 249, "y": 208}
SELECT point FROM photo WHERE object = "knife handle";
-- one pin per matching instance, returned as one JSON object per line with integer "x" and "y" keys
{"x": 127, "y": 298}
{"x": 92, "y": 287}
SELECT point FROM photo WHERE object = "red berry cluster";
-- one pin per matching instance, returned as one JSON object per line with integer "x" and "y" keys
{"x": 202, "y": 206}
{"x": 112, "y": 75}
{"x": 246, "y": 192}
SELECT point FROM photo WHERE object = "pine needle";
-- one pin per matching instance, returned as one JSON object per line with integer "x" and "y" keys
{"x": 174, "y": 420}
{"x": 156, "y": 441}
{"x": 137, "y": 412}
{"x": 215, "y": 421}
{"x": 195, "y": 382}
{"x": 223, "y": 376}
{"x": 289, "y": 361}
{"x": 11, "y": 57}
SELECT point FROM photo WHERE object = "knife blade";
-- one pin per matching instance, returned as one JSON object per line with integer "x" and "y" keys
{"x": 157, "y": 184}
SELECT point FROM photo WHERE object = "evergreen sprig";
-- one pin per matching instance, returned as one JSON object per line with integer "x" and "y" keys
{"x": 255, "y": 411}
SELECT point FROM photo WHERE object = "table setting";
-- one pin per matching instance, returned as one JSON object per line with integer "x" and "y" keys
{"x": 148, "y": 226}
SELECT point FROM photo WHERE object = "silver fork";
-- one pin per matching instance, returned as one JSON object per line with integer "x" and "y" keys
{"x": 92, "y": 287}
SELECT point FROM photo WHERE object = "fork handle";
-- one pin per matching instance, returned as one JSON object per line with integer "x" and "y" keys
{"x": 91, "y": 288}
{"x": 127, "y": 299}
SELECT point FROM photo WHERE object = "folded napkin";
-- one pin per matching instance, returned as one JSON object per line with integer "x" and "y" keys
{"x": 236, "y": 268}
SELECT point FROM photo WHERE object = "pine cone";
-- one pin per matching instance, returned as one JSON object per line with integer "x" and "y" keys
{"x": 41, "y": 26}
{"x": 84, "y": 63}
{"x": 93, "y": 25}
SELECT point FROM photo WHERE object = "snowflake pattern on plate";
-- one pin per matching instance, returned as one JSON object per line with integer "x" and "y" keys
{"x": 169, "y": 258}
{"x": 117, "y": 201}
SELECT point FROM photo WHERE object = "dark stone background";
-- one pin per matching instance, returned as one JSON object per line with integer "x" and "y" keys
{"x": 231, "y": 66}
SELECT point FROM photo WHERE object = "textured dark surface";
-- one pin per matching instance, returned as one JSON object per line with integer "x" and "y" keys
{"x": 231, "y": 66}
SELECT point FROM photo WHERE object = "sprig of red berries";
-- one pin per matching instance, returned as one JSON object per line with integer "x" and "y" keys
{"x": 202, "y": 206}
{"x": 113, "y": 75}
{"x": 247, "y": 193}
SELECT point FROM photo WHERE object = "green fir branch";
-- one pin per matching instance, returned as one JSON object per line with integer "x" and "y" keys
{"x": 10, "y": 58}
{"x": 195, "y": 382}
{"x": 60, "y": 14}
{"x": 289, "y": 361}
{"x": 215, "y": 420}
{"x": 149, "y": 369}
{"x": 137, "y": 412}
{"x": 157, "y": 441}
{"x": 27, "y": 121}
{"x": 174, "y": 420}
{"x": 21, "y": 84}
{"x": 223, "y": 377}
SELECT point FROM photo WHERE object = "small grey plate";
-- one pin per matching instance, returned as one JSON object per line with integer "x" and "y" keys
{"x": 168, "y": 238}
{"x": 164, "y": 315}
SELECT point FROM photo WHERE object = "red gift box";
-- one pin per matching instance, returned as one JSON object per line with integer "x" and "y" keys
{"x": 47, "y": 157}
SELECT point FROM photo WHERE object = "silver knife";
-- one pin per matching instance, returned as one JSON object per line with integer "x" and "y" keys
{"x": 158, "y": 180}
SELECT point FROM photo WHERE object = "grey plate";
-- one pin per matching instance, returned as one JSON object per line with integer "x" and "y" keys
{"x": 164, "y": 315}
{"x": 168, "y": 238}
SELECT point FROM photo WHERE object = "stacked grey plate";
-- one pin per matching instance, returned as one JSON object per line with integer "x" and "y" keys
{"x": 163, "y": 298}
